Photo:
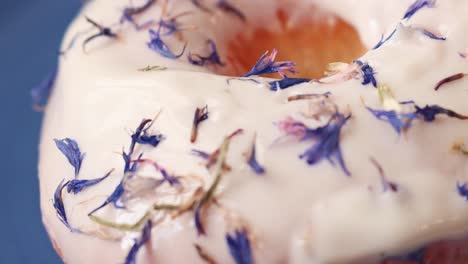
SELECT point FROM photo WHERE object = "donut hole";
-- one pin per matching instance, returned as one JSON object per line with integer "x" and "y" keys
{"x": 312, "y": 41}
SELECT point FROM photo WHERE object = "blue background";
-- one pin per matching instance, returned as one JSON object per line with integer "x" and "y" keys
{"x": 30, "y": 34}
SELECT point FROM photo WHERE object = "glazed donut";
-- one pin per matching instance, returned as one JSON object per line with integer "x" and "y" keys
{"x": 206, "y": 132}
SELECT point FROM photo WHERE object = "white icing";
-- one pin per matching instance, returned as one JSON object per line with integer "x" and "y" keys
{"x": 297, "y": 213}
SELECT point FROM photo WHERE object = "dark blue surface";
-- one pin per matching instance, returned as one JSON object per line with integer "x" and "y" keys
{"x": 30, "y": 34}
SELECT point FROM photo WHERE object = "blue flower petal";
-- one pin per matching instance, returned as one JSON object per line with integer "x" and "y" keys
{"x": 239, "y": 247}
{"x": 286, "y": 83}
{"x": 416, "y": 6}
{"x": 72, "y": 152}
{"x": 197, "y": 219}
{"x": 416, "y": 256}
{"x": 40, "y": 94}
{"x": 200, "y": 115}
{"x": 76, "y": 186}
{"x": 432, "y": 35}
{"x": 145, "y": 236}
{"x": 463, "y": 190}
{"x": 399, "y": 122}
{"x": 266, "y": 64}
{"x": 60, "y": 207}
{"x": 142, "y": 137}
{"x": 367, "y": 74}
{"x": 383, "y": 41}
{"x": 225, "y": 6}
{"x": 253, "y": 163}
{"x": 212, "y": 58}
{"x": 157, "y": 44}
{"x": 129, "y": 13}
{"x": 429, "y": 113}
{"x": 327, "y": 137}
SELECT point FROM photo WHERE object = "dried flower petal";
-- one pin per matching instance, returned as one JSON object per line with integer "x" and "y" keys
{"x": 114, "y": 198}
{"x": 201, "y": 114}
{"x": 417, "y": 5}
{"x": 200, "y": 6}
{"x": 327, "y": 139}
{"x": 130, "y": 166}
{"x": 310, "y": 96}
{"x": 226, "y": 7}
{"x": 449, "y": 79}
{"x": 252, "y": 161}
{"x": 60, "y": 207}
{"x": 72, "y": 42}
{"x": 40, "y": 93}
{"x": 387, "y": 99}
{"x": 145, "y": 236}
{"x": 383, "y": 41}
{"x": 429, "y": 112}
{"x": 367, "y": 73}
{"x": 464, "y": 54}
{"x": 403, "y": 121}
{"x": 386, "y": 184}
{"x": 399, "y": 121}
{"x": 172, "y": 180}
{"x": 463, "y": 190}
{"x": 103, "y": 32}
{"x": 202, "y": 204}
{"x": 129, "y": 13}
{"x": 121, "y": 226}
{"x": 201, "y": 154}
{"x": 266, "y": 64}
{"x": 204, "y": 255}
{"x": 416, "y": 256}
{"x": 328, "y": 144}
{"x": 432, "y": 35}
{"x": 213, "y": 157}
{"x": 77, "y": 186}
{"x": 72, "y": 152}
{"x": 460, "y": 147}
{"x": 286, "y": 83}
{"x": 141, "y": 136}
{"x": 153, "y": 68}
{"x": 338, "y": 72}
{"x": 137, "y": 187}
{"x": 212, "y": 59}
{"x": 239, "y": 247}
{"x": 291, "y": 127}
{"x": 157, "y": 44}
{"x": 169, "y": 26}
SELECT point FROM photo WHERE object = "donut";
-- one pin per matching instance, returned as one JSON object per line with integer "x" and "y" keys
{"x": 223, "y": 131}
